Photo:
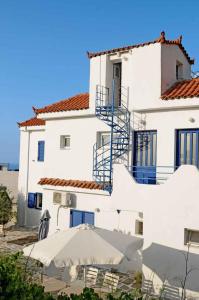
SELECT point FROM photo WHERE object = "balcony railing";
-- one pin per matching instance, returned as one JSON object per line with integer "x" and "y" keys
{"x": 151, "y": 174}
{"x": 195, "y": 74}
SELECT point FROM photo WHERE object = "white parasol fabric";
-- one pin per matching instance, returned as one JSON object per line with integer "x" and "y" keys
{"x": 84, "y": 245}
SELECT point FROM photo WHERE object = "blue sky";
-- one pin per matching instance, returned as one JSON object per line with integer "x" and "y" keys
{"x": 43, "y": 46}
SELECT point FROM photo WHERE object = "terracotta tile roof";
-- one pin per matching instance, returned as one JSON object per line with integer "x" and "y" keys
{"x": 77, "y": 102}
{"x": 92, "y": 185}
{"x": 161, "y": 40}
{"x": 32, "y": 122}
{"x": 183, "y": 89}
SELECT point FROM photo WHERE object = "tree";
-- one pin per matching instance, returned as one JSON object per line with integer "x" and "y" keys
{"x": 5, "y": 207}
{"x": 14, "y": 285}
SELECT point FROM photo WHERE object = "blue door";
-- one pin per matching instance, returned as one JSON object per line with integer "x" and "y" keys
{"x": 145, "y": 149}
{"x": 187, "y": 147}
{"x": 78, "y": 217}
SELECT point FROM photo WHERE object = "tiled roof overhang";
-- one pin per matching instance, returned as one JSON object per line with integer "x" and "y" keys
{"x": 92, "y": 185}
{"x": 161, "y": 40}
{"x": 77, "y": 102}
{"x": 32, "y": 122}
{"x": 183, "y": 89}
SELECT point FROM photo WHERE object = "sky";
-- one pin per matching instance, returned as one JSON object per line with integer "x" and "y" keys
{"x": 43, "y": 46}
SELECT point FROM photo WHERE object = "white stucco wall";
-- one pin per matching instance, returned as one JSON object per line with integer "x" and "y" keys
{"x": 167, "y": 210}
{"x": 166, "y": 123}
{"x": 146, "y": 72}
{"x": 76, "y": 162}
{"x": 141, "y": 73}
{"x": 169, "y": 56}
{"x": 30, "y": 171}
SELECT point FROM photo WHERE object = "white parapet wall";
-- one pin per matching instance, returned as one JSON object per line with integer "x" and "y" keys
{"x": 168, "y": 209}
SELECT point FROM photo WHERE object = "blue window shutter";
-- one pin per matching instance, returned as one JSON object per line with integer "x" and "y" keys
{"x": 88, "y": 218}
{"x": 76, "y": 218}
{"x": 41, "y": 147}
{"x": 31, "y": 200}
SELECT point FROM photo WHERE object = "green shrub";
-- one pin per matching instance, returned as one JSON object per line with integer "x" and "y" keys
{"x": 13, "y": 283}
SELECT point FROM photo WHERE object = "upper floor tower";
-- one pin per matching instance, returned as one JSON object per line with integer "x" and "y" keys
{"x": 144, "y": 71}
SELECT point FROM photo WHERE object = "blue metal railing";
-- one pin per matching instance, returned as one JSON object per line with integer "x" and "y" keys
{"x": 151, "y": 174}
{"x": 118, "y": 118}
{"x": 195, "y": 74}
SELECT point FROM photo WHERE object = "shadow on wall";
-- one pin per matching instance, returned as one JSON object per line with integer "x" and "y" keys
{"x": 21, "y": 209}
{"x": 169, "y": 264}
{"x": 33, "y": 216}
{"x": 24, "y": 214}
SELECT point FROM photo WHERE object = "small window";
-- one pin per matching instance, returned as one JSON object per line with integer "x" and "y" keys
{"x": 104, "y": 139}
{"x": 41, "y": 147}
{"x": 65, "y": 141}
{"x": 191, "y": 237}
{"x": 139, "y": 227}
{"x": 179, "y": 70}
{"x": 38, "y": 200}
{"x": 35, "y": 200}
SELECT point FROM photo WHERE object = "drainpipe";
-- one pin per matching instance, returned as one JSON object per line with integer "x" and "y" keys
{"x": 111, "y": 146}
{"x": 27, "y": 178}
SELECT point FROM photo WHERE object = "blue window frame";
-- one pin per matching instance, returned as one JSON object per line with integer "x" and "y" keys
{"x": 187, "y": 147}
{"x": 78, "y": 217}
{"x": 144, "y": 158}
{"x": 41, "y": 148}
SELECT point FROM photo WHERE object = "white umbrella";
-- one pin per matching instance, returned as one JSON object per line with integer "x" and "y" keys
{"x": 83, "y": 245}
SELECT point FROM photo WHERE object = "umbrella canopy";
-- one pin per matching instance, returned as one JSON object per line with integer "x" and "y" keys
{"x": 84, "y": 245}
{"x": 44, "y": 225}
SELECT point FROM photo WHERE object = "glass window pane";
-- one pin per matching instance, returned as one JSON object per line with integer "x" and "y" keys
{"x": 105, "y": 139}
{"x": 154, "y": 149}
{"x": 138, "y": 151}
{"x": 194, "y": 149}
{"x": 149, "y": 150}
{"x": 143, "y": 149}
{"x": 182, "y": 148}
{"x": 188, "y": 154}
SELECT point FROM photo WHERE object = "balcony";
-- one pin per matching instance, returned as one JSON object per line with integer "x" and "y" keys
{"x": 151, "y": 174}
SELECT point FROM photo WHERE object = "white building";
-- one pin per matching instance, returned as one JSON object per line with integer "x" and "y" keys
{"x": 125, "y": 156}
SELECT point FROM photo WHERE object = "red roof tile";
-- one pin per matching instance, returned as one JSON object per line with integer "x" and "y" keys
{"x": 183, "y": 89}
{"x": 92, "y": 185}
{"x": 77, "y": 102}
{"x": 161, "y": 40}
{"x": 32, "y": 122}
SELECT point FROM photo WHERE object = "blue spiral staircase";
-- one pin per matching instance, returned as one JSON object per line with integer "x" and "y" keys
{"x": 118, "y": 118}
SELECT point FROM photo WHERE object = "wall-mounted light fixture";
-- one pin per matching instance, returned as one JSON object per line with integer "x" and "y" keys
{"x": 143, "y": 122}
{"x": 191, "y": 120}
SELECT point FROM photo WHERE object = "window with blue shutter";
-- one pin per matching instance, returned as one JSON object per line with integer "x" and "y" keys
{"x": 41, "y": 147}
{"x": 31, "y": 200}
{"x": 88, "y": 218}
{"x": 145, "y": 152}
{"x": 78, "y": 217}
{"x": 187, "y": 147}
